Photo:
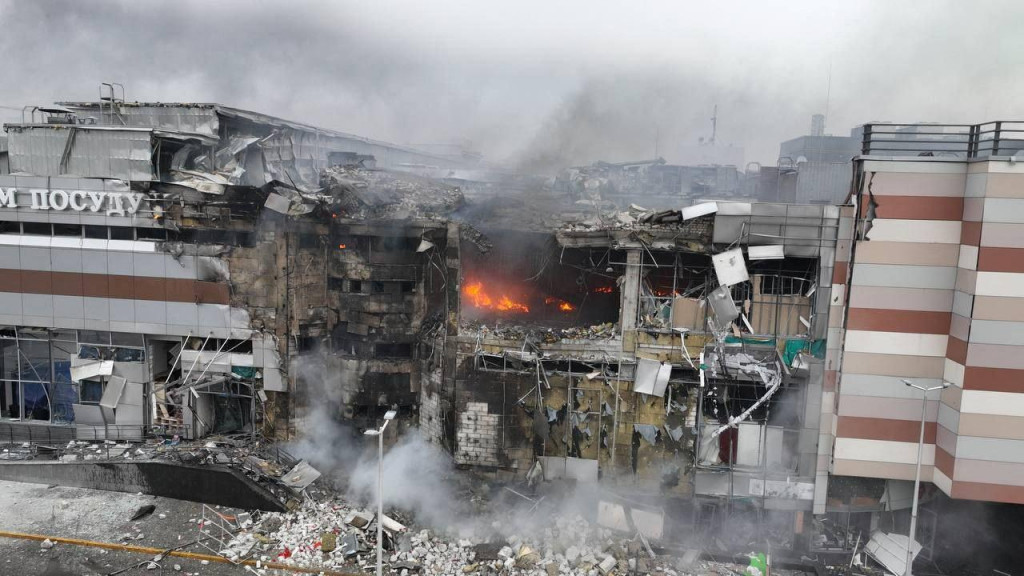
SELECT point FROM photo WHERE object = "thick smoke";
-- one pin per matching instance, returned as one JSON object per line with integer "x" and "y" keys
{"x": 513, "y": 78}
{"x": 419, "y": 478}
{"x": 417, "y": 474}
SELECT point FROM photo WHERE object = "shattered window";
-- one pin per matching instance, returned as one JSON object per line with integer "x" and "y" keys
{"x": 91, "y": 391}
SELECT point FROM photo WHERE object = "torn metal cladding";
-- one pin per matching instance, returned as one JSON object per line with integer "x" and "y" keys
{"x": 709, "y": 324}
{"x": 653, "y": 349}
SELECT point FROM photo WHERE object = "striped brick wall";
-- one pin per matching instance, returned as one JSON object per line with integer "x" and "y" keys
{"x": 982, "y": 455}
{"x": 937, "y": 295}
{"x": 116, "y": 285}
{"x": 899, "y": 306}
{"x": 833, "y": 356}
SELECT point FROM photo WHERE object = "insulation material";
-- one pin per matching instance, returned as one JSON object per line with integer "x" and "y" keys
{"x": 651, "y": 377}
{"x": 730, "y": 268}
{"x": 687, "y": 313}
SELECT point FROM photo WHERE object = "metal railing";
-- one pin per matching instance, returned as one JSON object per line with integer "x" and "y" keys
{"x": 998, "y": 138}
{"x": 32, "y": 439}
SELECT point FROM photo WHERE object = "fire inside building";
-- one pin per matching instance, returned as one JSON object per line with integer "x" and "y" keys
{"x": 196, "y": 269}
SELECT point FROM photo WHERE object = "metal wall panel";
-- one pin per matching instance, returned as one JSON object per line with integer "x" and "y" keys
{"x": 95, "y": 152}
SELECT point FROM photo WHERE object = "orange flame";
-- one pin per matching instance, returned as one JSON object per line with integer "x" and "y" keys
{"x": 481, "y": 299}
{"x": 604, "y": 290}
{"x": 342, "y": 246}
{"x": 562, "y": 304}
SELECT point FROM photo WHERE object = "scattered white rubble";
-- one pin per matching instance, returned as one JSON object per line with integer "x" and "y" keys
{"x": 332, "y": 534}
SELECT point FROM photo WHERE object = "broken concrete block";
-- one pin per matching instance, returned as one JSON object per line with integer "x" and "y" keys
{"x": 607, "y": 564}
{"x": 328, "y": 542}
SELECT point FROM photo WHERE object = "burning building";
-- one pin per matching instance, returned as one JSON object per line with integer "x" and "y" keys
{"x": 165, "y": 265}
{"x": 675, "y": 353}
{"x": 191, "y": 269}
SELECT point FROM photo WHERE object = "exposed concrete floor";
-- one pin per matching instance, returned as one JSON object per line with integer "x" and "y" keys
{"x": 101, "y": 516}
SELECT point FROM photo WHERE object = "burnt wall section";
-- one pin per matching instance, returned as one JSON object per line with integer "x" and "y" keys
{"x": 577, "y": 409}
{"x": 207, "y": 484}
{"x": 387, "y": 284}
{"x": 438, "y": 363}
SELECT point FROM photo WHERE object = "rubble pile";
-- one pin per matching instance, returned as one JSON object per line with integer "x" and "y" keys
{"x": 331, "y": 534}
{"x": 604, "y": 331}
{"x": 358, "y": 192}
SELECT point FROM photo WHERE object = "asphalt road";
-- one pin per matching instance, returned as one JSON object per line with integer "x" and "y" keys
{"x": 100, "y": 516}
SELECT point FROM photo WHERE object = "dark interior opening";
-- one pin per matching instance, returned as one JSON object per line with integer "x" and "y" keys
{"x": 527, "y": 278}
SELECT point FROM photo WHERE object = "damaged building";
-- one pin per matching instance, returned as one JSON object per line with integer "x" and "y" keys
{"x": 163, "y": 265}
{"x": 196, "y": 269}
{"x": 193, "y": 269}
{"x": 674, "y": 353}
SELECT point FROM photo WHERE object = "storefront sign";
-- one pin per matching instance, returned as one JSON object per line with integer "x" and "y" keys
{"x": 112, "y": 203}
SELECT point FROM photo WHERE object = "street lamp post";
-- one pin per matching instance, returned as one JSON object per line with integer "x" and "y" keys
{"x": 917, "y": 476}
{"x": 388, "y": 417}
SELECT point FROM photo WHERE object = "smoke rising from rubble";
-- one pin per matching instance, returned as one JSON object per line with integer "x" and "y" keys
{"x": 416, "y": 472}
{"x": 419, "y": 477}
{"x": 514, "y": 77}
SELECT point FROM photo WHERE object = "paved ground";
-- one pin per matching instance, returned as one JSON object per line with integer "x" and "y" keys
{"x": 101, "y": 516}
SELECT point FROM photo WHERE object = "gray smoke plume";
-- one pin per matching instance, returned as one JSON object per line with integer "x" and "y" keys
{"x": 509, "y": 76}
{"x": 417, "y": 474}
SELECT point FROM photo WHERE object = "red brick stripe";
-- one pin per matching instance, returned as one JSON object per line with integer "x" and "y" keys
{"x": 884, "y": 429}
{"x": 956, "y": 350}
{"x": 906, "y": 321}
{"x": 988, "y": 492}
{"x": 994, "y": 379}
{"x": 1000, "y": 259}
{"x": 113, "y": 286}
{"x": 917, "y": 208}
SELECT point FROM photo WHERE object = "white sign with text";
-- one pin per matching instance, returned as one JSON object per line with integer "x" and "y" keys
{"x": 112, "y": 203}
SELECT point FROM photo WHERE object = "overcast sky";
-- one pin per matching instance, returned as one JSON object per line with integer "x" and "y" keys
{"x": 534, "y": 83}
